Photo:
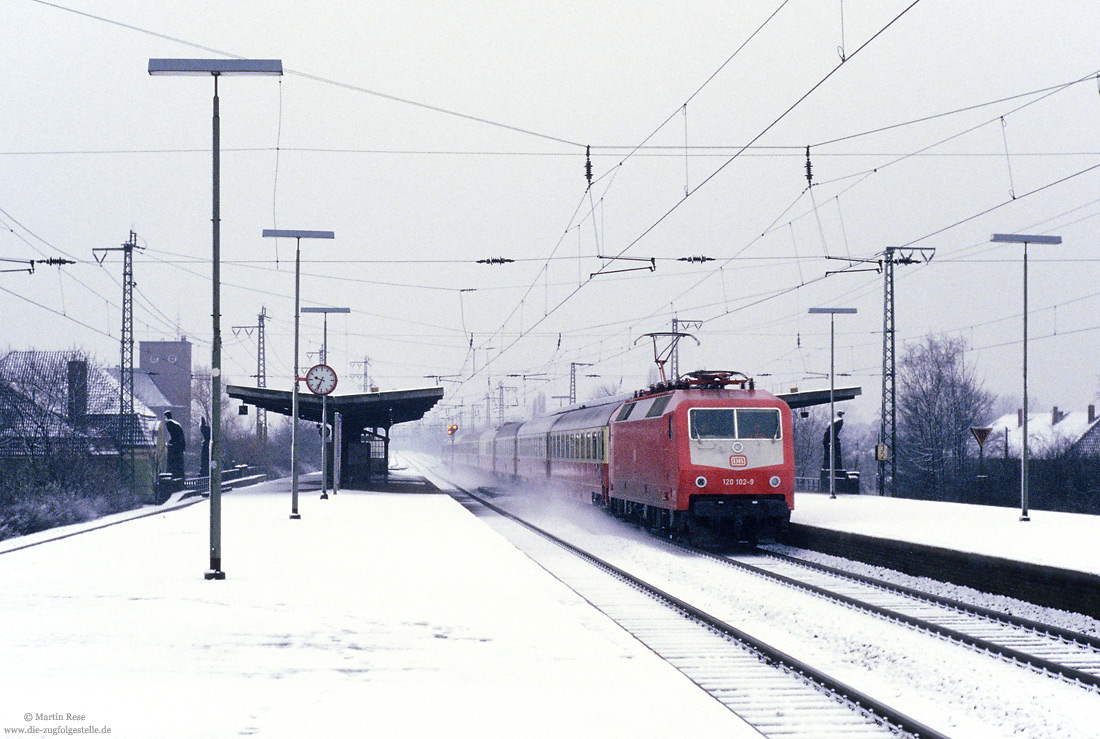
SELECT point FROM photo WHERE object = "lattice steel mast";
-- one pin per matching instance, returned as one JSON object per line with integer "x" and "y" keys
{"x": 888, "y": 430}
{"x": 261, "y": 374}
{"x": 679, "y": 325}
{"x": 127, "y": 423}
{"x": 261, "y": 369}
{"x": 573, "y": 379}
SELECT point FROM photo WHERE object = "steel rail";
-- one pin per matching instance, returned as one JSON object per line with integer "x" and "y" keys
{"x": 1005, "y": 618}
{"x": 1071, "y": 674}
{"x": 858, "y": 700}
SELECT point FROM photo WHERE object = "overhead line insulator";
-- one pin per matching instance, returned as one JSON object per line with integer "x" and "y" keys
{"x": 495, "y": 260}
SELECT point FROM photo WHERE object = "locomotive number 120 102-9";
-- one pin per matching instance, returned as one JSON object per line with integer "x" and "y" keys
{"x": 739, "y": 481}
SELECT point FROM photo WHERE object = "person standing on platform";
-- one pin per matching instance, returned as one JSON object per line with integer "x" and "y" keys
{"x": 204, "y": 454}
{"x": 176, "y": 444}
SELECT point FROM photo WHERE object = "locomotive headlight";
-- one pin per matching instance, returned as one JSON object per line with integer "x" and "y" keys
{"x": 700, "y": 482}
{"x": 774, "y": 481}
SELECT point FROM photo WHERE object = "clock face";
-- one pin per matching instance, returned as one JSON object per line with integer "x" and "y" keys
{"x": 321, "y": 379}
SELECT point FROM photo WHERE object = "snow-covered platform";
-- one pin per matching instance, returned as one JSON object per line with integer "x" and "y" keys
{"x": 1064, "y": 540}
{"x": 395, "y": 614}
{"x": 1050, "y": 560}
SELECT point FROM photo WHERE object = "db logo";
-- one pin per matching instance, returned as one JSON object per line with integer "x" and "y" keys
{"x": 739, "y": 460}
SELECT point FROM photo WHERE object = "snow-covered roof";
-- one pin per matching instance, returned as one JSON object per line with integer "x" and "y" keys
{"x": 41, "y": 379}
{"x": 48, "y": 371}
{"x": 146, "y": 391}
{"x": 1042, "y": 433}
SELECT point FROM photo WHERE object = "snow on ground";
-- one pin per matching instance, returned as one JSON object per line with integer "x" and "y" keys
{"x": 1066, "y": 540}
{"x": 381, "y": 614}
{"x": 959, "y": 691}
{"x": 402, "y": 615}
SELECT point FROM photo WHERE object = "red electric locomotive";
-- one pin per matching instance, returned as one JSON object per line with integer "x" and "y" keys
{"x": 707, "y": 457}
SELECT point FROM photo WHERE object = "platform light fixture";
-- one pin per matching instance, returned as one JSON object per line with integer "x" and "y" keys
{"x": 1024, "y": 239}
{"x": 297, "y": 235}
{"x": 216, "y": 68}
{"x": 832, "y": 389}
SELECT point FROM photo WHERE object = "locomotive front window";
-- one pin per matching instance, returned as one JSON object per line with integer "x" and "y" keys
{"x": 757, "y": 423}
{"x": 713, "y": 423}
{"x": 734, "y": 423}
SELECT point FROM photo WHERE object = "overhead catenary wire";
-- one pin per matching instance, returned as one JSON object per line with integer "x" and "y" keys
{"x": 315, "y": 77}
{"x": 1046, "y": 92}
{"x": 724, "y": 165}
{"x": 544, "y": 277}
{"x": 547, "y": 312}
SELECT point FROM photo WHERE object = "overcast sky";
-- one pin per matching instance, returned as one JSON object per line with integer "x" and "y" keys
{"x": 430, "y": 135}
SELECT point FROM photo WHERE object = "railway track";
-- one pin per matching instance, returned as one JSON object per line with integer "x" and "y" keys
{"x": 775, "y": 693}
{"x": 1072, "y": 656}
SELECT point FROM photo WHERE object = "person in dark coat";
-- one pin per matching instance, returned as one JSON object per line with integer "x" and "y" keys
{"x": 204, "y": 454}
{"x": 834, "y": 427}
{"x": 176, "y": 444}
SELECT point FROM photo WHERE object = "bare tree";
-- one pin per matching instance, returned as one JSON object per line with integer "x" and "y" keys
{"x": 939, "y": 399}
{"x": 604, "y": 390}
{"x": 59, "y": 436}
{"x": 538, "y": 405}
{"x": 809, "y": 424}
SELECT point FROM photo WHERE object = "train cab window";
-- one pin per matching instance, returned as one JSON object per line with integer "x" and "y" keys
{"x": 625, "y": 412}
{"x": 757, "y": 423}
{"x": 658, "y": 406}
{"x": 713, "y": 423}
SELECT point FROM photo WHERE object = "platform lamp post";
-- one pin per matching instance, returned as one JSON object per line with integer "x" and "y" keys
{"x": 324, "y": 398}
{"x": 1024, "y": 239}
{"x": 297, "y": 235}
{"x": 216, "y": 68}
{"x": 832, "y": 390}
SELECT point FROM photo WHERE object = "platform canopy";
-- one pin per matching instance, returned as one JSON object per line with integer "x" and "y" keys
{"x": 818, "y": 397}
{"x": 362, "y": 410}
